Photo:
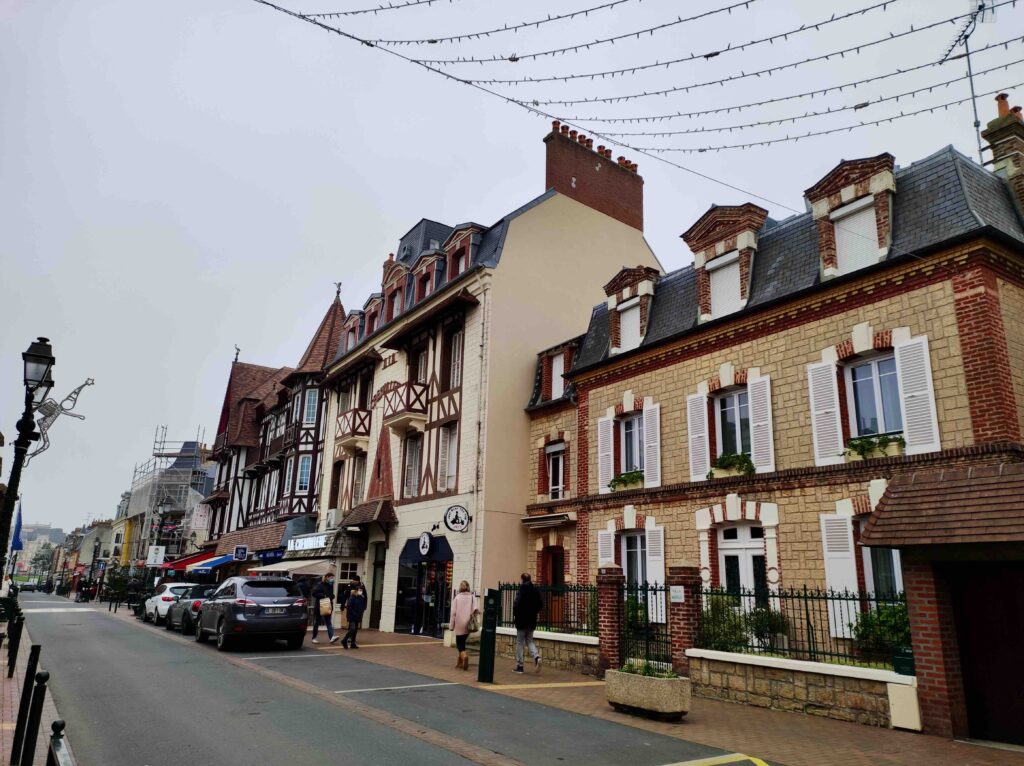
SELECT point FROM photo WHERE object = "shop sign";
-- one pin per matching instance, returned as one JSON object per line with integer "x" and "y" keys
{"x": 426, "y": 540}
{"x": 155, "y": 557}
{"x": 241, "y": 553}
{"x": 307, "y": 543}
{"x": 457, "y": 518}
{"x": 677, "y": 594}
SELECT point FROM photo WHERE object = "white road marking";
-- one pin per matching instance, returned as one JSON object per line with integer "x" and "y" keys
{"x": 393, "y": 688}
{"x": 304, "y": 656}
{"x": 51, "y": 610}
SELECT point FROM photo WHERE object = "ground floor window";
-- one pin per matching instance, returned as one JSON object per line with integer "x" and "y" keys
{"x": 347, "y": 570}
{"x": 741, "y": 559}
{"x": 634, "y": 557}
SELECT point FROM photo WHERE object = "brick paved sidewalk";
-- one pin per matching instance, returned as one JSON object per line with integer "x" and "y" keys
{"x": 10, "y": 699}
{"x": 787, "y": 738}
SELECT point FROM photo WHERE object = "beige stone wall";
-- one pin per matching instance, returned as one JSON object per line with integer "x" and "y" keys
{"x": 844, "y": 699}
{"x": 1011, "y": 301}
{"x": 579, "y": 658}
{"x": 784, "y": 357}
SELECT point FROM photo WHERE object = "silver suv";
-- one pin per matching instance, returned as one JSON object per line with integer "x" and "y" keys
{"x": 253, "y": 607}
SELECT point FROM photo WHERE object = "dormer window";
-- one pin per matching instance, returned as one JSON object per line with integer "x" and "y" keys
{"x": 629, "y": 324}
{"x": 351, "y": 342}
{"x": 856, "y": 235}
{"x": 458, "y": 264}
{"x": 557, "y": 371}
{"x": 371, "y": 323}
{"x": 425, "y": 285}
{"x": 394, "y": 304}
{"x": 726, "y": 293}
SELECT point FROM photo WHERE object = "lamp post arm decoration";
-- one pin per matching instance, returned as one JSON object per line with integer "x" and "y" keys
{"x": 50, "y": 410}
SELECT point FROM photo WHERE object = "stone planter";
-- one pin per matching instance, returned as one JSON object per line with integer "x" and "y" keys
{"x": 638, "y": 484}
{"x": 722, "y": 473}
{"x": 667, "y": 699}
{"x": 893, "y": 450}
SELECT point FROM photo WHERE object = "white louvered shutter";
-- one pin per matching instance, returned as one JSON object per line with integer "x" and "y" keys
{"x": 605, "y": 548}
{"x": 412, "y": 467}
{"x": 826, "y": 428}
{"x": 652, "y": 445}
{"x": 917, "y": 396}
{"x": 840, "y": 572}
{"x": 605, "y": 453}
{"x": 856, "y": 240}
{"x": 762, "y": 441}
{"x": 697, "y": 426}
{"x": 656, "y": 573}
{"x": 442, "y": 461}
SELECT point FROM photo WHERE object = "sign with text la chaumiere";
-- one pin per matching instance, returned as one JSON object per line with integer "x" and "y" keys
{"x": 307, "y": 543}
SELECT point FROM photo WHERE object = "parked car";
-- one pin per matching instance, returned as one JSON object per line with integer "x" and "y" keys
{"x": 156, "y": 606}
{"x": 27, "y": 587}
{"x": 253, "y": 607}
{"x": 183, "y": 610}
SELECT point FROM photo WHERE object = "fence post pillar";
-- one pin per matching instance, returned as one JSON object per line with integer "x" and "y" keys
{"x": 684, "y": 616}
{"x": 610, "y": 581}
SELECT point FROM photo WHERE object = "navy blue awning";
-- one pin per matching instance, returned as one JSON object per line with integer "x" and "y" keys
{"x": 440, "y": 550}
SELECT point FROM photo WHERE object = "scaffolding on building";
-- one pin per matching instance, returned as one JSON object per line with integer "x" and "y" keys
{"x": 166, "y": 489}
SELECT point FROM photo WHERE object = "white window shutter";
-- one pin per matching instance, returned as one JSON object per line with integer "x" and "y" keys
{"x": 697, "y": 425}
{"x": 605, "y": 548}
{"x": 656, "y": 573}
{"x": 856, "y": 240}
{"x": 826, "y": 427}
{"x": 840, "y": 571}
{"x": 917, "y": 396}
{"x": 442, "y": 461}
{"x": 762, "y": 440}
{"x": 605, "y": 454}
{"x": 652, "y": 445}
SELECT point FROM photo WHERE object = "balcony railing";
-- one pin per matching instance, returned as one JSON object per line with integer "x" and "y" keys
{"x": 291, "y": 433}
{"x": 406, "y": 406}
{"x": 272, "y": 450}
{"x": 353, "y": 428}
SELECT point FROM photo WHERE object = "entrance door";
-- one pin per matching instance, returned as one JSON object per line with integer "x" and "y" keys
{"x": 988, "y": 602}
{"x": 377, "y": 594}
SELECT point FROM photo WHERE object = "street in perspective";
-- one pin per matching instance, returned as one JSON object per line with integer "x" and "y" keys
{"x": 705, "y": 447}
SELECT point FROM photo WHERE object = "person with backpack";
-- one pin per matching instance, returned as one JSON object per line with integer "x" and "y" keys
{"x": 323, "y": 604}
{"x": 525, "y": 608}
{"x": 354, "y": 608}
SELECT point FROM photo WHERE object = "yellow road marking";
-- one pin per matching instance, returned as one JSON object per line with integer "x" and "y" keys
{"x": 553, "y": 685}
{"x": 721, "y": 759}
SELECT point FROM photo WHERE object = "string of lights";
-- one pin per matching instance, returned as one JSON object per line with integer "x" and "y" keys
{"x": 629, "y": 71}
{"x": 843, "y": 129}
{"x": 780, "y": 99}
{"x": 822, "y": 113}
{"x": 508, "y": 28}
{"x": 378, "y": 9}
{"x": 513, "y": 57}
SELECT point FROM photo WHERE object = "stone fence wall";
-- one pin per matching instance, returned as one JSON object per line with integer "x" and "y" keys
{"x": 562, "y": 654}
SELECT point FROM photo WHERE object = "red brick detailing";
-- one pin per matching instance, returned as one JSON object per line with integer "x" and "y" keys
{"x": 714, "y": 383}
{"x": 716, "y": 575}
{"x": 723, "y": 224}
{"x": 627, "y": 280}
{"x": 609, "y": 608}
{"x": 739, "y": 379}
{"x": 712, "y": 432}
{"x": 883, "y": 206}
{"x": 567, "y": 358}
{"x": 582, "y": 547}
{"x": 581, "y": 174}
{"x": 638, "y": 404}
{"x": 844, "y": 349}
{"x": 704, "y": 291}
{"x": 985, "y": 357}
{"x": 936, "y": 654}
{"x": 1005, "y": 136}
{"x": 858, "y": 560}
{"x": 861, "y": 504}
{"x": 583, "y": 440}
{"x": 614, "y": 333}
{"x": 542, "y": 472}
{"x": 684, "y": 618}
{"x": 746, "y": 256}
{"x": 850, "y": 172}
{"x": 645, "y": 311}
{"x": 619, "y": 409}
{"x": 883, "y": 340}
{"x": 844, "y": 405}
{"x": 827, "y": 244}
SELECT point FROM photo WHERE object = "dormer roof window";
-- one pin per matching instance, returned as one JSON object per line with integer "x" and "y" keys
{"x": 856, "y": 233}
{"x": 629, "y": 324}
{"x": 726, "y": 291}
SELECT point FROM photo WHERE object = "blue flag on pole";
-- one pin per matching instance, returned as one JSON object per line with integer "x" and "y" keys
{"x": 16, "y": 543}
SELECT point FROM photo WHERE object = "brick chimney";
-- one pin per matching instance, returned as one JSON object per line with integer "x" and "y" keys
{"x": 1005, "y": 136}
{"x": 591, "y": 177}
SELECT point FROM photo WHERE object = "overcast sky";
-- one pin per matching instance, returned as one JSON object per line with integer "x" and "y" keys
{"x": 178, "y": 177}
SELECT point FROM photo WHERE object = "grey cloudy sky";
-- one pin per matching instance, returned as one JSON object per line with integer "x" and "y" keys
{"x": 178, "y": 177}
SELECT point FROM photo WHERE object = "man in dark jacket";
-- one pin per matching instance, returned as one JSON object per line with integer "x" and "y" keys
{"x": 525, "y": 608}
{"x": 354, "y": 608}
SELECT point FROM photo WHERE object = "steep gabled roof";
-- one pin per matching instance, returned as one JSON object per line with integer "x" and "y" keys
{"x": 243, "y": 378}
{"x": 324, "y": 344}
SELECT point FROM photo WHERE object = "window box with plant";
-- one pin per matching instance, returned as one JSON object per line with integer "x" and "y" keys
{"x": 648, "y": 689}
{"x": 626, "y": 481}
{"x": 868, "y": 447}
{"x": 731, "y": 464}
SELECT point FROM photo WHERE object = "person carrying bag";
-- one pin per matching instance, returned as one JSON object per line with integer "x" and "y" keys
{"x": 465, "y": 620}
{"x": 323, "y": 592}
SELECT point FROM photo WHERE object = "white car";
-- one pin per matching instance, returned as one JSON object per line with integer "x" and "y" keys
{"x": 156, "y": 606}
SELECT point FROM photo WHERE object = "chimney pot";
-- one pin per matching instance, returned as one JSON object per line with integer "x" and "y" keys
{"x": 1016, "y": 113}
{"x": 572, "y": 134}
{"x": 555, "y": 125}
{"x": 565, "y": 130}
{"x": 1003, "y": 104}
{"x": 581, "y": 138}
{"x": 608, "y": 153}
{"x": 600, "y": 150}
{"x": 590, "y": 143}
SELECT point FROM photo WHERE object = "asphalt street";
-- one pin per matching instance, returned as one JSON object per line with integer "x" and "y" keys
{"x": 133, "y": 694}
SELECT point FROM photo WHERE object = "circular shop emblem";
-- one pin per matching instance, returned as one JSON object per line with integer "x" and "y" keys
{"x": 456, "y": 518}
{"x": 426, "y": 540}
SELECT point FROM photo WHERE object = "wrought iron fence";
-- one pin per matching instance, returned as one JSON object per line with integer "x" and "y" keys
{"x": 845, "y": 628}
{"x": 567, "y": 608}
{"x": 644, "y": 619}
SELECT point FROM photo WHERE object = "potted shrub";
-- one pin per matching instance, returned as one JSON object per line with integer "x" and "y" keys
{"x": 868, "y": 447}
{"x": 627, "y": 480}
{"x": 731, "y": 464}
{"x": 648, "y": 690}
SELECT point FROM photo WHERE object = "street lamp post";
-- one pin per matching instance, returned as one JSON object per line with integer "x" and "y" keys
{"x": 38, "y": 363}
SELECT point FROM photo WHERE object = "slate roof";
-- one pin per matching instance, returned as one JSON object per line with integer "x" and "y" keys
{"x": 939, "y": 200}
{"x": 979, "y": 504}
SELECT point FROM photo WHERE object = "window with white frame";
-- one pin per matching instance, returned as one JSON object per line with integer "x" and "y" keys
{"x": 883, "y": 570}
{"x": 724, "y": 274}
{"x": 345, "y": 400}
{"x": 413, "y": 453}
{"x": 309, "y": 413}
{"x": 557, "y": 381}
{"x": 629, "y": 324}
{"x": 350, "y": 342}
{"x": 358, "y": 477}
{"x": 856, "y": 235}
{"x": 634, "y": 557}
{"x": 420, "y": 361}
{"x": 305, "y": 468}
{"x": 732, "y": 421}
{"x": 347, "y": 570}
{"x": 289, "y": 466}
{"x": 455, "y": 342}
{"x": 448, "y": 457}
{"x": 631, "y": 434}
{"x": 741, "y": 559}
{"x": 555, "y": 456}
{"x": 873, "y": 391}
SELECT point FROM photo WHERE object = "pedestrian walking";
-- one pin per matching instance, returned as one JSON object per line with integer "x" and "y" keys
{"x": 323, "y": 595}
{"x": 354, "y": 608}
{"x": 525, "y": 609}
{"x": 464, "y": 613}
{"x": 5, "y": 589}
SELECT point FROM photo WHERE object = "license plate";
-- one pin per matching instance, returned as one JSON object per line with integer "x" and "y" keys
{"x": 274, "y": 610}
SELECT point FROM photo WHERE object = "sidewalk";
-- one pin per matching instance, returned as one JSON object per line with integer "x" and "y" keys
{"x": 787, "y": 738}
{"x": 10, "y": 699}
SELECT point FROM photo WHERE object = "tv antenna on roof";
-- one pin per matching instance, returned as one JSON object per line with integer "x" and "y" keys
{"x": 979, "y": 12}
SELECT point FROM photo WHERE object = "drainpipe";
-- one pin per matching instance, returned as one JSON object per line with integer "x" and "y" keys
{"x": 480, "y": 433}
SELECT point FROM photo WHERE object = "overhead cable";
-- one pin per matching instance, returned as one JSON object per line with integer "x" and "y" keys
{"x": 378, "y": 9}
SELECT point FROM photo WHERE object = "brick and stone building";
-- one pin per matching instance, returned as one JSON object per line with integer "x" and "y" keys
{"x": 883, "y": 317}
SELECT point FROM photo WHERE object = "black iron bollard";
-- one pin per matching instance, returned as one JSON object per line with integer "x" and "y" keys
{"x": 26, "y": 702}
{"x": 13, "y": 644}
{"x": 57, "y": 754}
{"x": 28, "y": 750}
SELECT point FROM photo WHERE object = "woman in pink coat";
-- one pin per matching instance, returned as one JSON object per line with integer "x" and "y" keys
{"x": 463, "y": 607}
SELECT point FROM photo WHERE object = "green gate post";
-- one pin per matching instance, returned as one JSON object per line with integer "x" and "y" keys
{"x": 488, "y": 636}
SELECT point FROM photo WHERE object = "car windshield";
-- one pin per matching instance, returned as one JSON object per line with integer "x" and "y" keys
{"x": 270, "y": 589}
{"x": 179, "y": 589}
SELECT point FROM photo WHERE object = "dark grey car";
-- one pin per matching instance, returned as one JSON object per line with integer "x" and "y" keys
{"x": 253, "y": 607}
{"x": 182, "y": 613}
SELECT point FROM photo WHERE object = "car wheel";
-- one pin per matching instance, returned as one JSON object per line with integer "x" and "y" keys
{"x": 186, "y": 624}
{"x": 295, "y": 642}
{"x": 145, "y": 614}
{"x": 168, "y": 622}
{"x": 224, "y": 641}
{"x": 200, "y": 635}
{"x": 157, "y": 619}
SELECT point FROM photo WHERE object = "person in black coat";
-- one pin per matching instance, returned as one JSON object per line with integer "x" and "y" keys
{"x": 354, "y": 608}
{"x": 323, "y": 590}
{"x": 525, "y": 608}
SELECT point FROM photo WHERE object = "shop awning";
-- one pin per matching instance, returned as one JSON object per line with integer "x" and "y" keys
{"x": 440, "y": 550}
{"x": 380, "y": 510}
{"x": 548, "y": 520}
{"x": 296, "y": 567}
{"x": 178, "y": 565}
{"x": 208, "y": 565}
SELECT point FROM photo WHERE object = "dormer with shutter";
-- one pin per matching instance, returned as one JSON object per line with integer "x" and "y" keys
{"x": 393, "y": 288}
{"x": 630, "y": 294}
{"x": 852, "y": 208}
{"x": 723, "y": 242}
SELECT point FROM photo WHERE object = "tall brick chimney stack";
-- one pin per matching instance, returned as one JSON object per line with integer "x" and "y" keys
{"x": 1005, "y": 136}
{"x": 577, "y": 170}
